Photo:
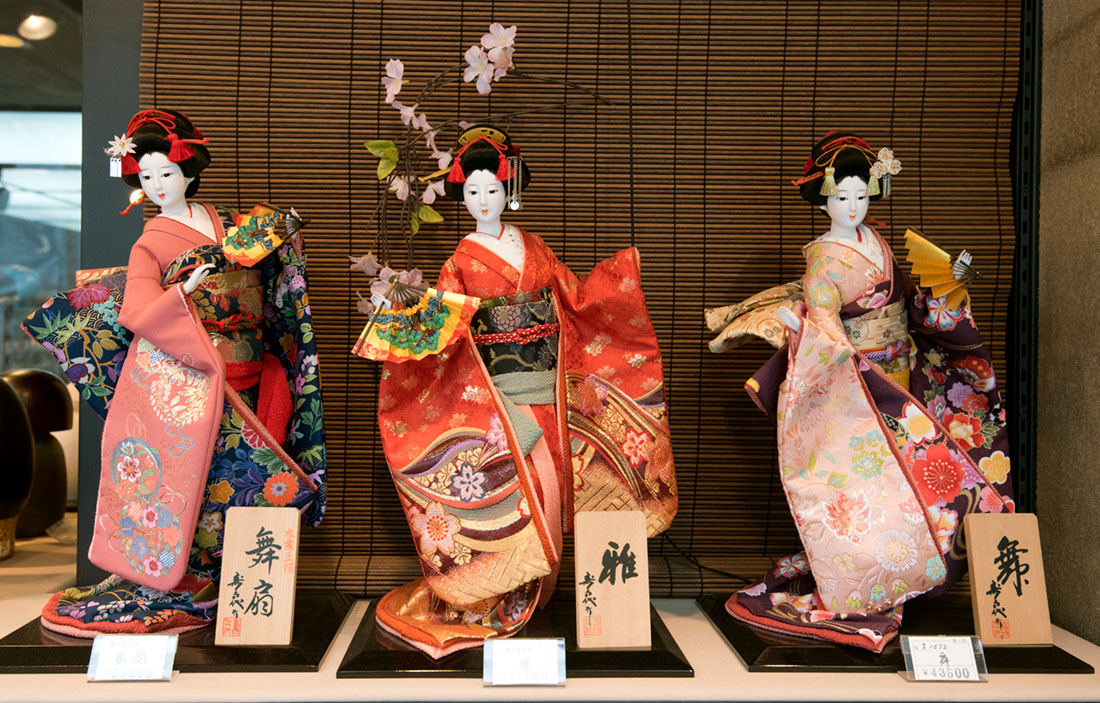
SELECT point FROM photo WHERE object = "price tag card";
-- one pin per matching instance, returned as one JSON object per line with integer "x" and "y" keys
{"x": 132, "y": 657}
{"x": 524, "y": 662}
{"x": 943, "y": 658}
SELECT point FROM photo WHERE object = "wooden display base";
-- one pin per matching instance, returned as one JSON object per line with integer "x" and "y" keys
{"x": 374, "y": 653}
{"x": 32, "y": 649}
{"x": 761, "y": 650}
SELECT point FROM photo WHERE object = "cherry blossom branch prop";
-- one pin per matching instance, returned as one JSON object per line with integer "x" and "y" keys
{"x": 401, "y": 159}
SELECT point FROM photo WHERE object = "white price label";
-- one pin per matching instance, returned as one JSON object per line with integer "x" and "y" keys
{"x": 132, "y": 657}
{"x": 524, "y": 662}
{"x": 943, "y": 658}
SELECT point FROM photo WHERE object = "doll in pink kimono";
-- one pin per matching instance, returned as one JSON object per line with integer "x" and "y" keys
{"x": 551, "y": 402}
{"x": 889, "y": 423}
{"x": 206, "y": 372}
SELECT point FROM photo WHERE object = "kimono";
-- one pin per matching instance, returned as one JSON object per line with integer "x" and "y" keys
{"x": 890, "y": 429}
{"x": 211, "y": 400}
{"x": 551, "y": 402}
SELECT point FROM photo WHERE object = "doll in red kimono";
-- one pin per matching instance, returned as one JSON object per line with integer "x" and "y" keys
{"x": 551, "y": 402}
{"x": 206, "y": 372}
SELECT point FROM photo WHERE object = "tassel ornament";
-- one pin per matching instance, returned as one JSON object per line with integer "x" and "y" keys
{"x": 828, "y": 186}
{"x": 873, "y": 186}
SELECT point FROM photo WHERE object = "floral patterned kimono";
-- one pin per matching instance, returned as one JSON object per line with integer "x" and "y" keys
{"x": 551, "y": 403}
{"x": 890, "y": 430}
{"x": 211, "y": 399}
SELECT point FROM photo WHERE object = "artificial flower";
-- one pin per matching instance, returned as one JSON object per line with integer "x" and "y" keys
{"x": 443, "y": 159}
{"x": 890, "y": 165}
{"x": 367, "y": 263}
{"x": 408, "y": 112}
{"x": 120, "y": 146}
{"x": 400, "y": 186}
{"x": 499, "y": 41}
{"x": 479, "y": 69}
{"x": 393, "y": 80}
{"x": 434, "y": 190}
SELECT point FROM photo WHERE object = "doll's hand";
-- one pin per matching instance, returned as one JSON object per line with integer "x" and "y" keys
{"x": 379, "y": 302}
{"x": 789, "y": 318}
{"x": 197, "y": 277}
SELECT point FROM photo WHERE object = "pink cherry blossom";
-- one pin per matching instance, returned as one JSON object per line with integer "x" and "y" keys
{"x": 479, "y": 69}
{"x": 393, "y": 80}
{"x": 443, "y": 159}
{"x": 503, "y": 61}
{"x": 498, "y": 41}
{"x": 412, "y": 277}
{"x": 408, "y": 113}
{"x": 429, "y": 140}
{"x": 400, "y": 186}
{"x": 434, "y": 190}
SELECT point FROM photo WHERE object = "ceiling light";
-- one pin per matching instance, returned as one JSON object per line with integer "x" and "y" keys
{"x": 37, "y": 27}
{"x": 10, "y": 41}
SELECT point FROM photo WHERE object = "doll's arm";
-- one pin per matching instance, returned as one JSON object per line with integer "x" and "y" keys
{"x": 148, "y": 309}
{"x": 822, "y": 296}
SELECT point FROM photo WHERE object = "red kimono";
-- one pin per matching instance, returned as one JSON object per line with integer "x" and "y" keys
{"x": 551, "y": 403}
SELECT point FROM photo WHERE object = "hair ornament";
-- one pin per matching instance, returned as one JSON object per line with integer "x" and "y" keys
{"x": 119, "y": 149}
{"x": 457, "y": 176}
{"x": 514, "y": 189}
{"x": 884, "y": 167}
{"x": 122, "y": 148}
{"x": 828, "y": 186}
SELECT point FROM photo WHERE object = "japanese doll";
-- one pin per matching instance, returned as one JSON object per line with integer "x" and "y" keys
{"x": 890, "y": 427}
{"x": 206, "y": 374}
{"x": 547, "y": 400}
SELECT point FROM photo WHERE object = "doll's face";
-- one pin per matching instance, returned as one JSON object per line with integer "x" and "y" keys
{"x": 163, "y": 181}
{"x": 849, "y": 206}
{"x": 484, "y": 197}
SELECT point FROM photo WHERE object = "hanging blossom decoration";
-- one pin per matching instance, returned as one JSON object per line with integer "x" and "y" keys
{"x": 399, "y": 160}
{"x": 886, "y": 164}
{"x": 120, "y": 146}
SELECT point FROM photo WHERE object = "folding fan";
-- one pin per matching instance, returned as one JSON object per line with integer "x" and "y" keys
{"x": 420, "y": 322}
{"x": 260, "y": 232}
{"x": 937, "y": 270}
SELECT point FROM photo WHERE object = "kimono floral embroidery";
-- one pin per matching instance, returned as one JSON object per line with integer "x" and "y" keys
{"x": 941, "y": 316}
{"x": 938, "y": 474}
{"x": 496, "y": 435}
{"x": 995, "y": 467}
{"x": 436, "y": 529}
{"x": 916, "y": 424}
{"x": 896, "y": 551}
{"x": 637, "y": 447}
{"x": 792, "y": 565}
{"x": 469, "y": 483}
{"x": 848, "y": 517}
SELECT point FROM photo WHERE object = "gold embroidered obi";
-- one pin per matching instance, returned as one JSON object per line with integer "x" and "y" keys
{"x": 882, "y": 336}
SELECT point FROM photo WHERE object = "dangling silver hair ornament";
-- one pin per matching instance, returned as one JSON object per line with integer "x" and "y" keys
{"x": 515, "y": 198}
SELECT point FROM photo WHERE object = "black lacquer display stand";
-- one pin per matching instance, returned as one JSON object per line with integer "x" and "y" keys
{"x": 32, "y": 649}
{"x": 375, "y": 653}
{"x": 761, "y": 650}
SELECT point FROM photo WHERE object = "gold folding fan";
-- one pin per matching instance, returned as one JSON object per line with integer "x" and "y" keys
{"x": 943, "y": 274}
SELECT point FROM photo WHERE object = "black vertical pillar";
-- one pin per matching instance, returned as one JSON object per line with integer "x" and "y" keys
{"x": 112, "y": 50}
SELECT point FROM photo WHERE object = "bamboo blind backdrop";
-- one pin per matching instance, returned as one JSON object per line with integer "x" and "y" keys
{"x": 716, "y": 107}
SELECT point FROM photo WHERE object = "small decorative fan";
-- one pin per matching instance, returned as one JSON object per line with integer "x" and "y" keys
{"x": 946, "y": 276}
{"x": 419, "y": 322}
{"x": 260, "y": 232}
